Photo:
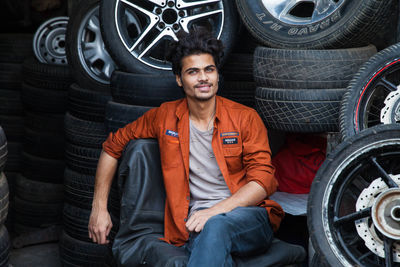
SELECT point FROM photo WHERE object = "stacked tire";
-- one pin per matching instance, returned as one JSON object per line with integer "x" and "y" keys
{"x": 4, "y": 203}
{"x": 85, "y": 131}
{"x": 39, "y": 197}
{"x": 14, "y": 48}
{"x": 301, "y": 90}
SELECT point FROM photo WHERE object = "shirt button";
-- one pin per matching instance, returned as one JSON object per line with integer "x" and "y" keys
{"x": 187, "y": 198}
{"x": 185, "y": 220}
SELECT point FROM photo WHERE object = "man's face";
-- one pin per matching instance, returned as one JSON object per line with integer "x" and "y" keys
{"x": 199, "y": 77}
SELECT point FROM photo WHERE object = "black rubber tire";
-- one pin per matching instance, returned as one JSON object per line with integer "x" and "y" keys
{"x": 44, "y": 144}
{"x": 308, "y": 69}
{"x": 42, "y": 169}
{"x": 129, "y": 63}
{"x": 144, "y": 89}
{"x": 15, "y": 47}
{"x": 10, "y": 76}
{"x": 118, "y": 115}
{"x": 13, "y": 127}
{"x": 381, "y": 65}
{"x": 14, "y": 161}
{"x": 48, "y": 122}
{"x": 83, "y": 132}
{"x": 82, "y": 159}
{"x": 74, "y": 253}
{"x": 238, "y": 67}
{"x": 36, "y": 214}
{"x": 4, "y": 198}
{"x": 241, "y": 92}
{"x": 353, "y": 24}
{"x": 3, "y": 149}
{"x": 30, "y": 190}
{"x": 10, "y": 102}
{"x": 46, "y": 76}
{"x": 299, "y": 110}
{"x": 86, "y": 104}
{"x": 44, "y": 100}
{"x": 79, "y": 189}
{"x": 76, "y": 221}
{"x": 79, "y": 73}
{"x": 4, "y": 246}
{"x": 353, "y": 152}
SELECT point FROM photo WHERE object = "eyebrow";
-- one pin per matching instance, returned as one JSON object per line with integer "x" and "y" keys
{"x": 206, "y": 67}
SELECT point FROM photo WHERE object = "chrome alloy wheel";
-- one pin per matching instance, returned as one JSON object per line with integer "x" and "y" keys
{"x": 146, "y": 27}
{"x": 93, "y": 56}
{"x": 301, "y": 12}
{"x": 49, "y": 41}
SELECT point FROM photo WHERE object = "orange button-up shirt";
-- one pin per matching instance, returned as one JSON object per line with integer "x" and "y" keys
{"x": 239, "y": 142}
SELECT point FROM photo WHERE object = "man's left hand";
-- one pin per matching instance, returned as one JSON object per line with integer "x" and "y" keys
{"x": 198, "y": 219}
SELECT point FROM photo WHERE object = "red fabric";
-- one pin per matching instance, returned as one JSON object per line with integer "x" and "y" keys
{"x": 298, "y": 161}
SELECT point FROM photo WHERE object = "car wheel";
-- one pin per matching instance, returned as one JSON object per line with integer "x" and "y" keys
{"x": 137, "y": 35}
{"x": 314, "y": 24}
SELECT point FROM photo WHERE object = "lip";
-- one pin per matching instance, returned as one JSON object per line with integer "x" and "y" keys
{"x": 203, "y": 87}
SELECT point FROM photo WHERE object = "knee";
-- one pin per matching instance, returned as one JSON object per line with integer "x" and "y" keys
{"x": 217, "y": 225}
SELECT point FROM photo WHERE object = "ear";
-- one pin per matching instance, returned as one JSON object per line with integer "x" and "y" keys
{"x": 178, "y": 80}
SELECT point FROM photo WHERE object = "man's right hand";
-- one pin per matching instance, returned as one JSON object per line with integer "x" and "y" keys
{"x": 99, "y": 226}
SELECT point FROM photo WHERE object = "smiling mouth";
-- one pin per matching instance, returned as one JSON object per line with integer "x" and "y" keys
{"x": 203, "y": 86}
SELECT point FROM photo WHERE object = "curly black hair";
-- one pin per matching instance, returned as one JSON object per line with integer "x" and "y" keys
{"x": 198, "y": 41}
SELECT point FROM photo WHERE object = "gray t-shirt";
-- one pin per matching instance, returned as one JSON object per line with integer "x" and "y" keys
{"x": 206, "y": 183}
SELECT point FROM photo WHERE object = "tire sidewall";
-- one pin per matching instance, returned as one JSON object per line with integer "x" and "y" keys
{"x": 352, "y": 100}
{"x": 281, "y": 34}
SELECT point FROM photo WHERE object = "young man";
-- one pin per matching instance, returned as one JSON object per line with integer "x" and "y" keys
{"x": 216, "y": 164}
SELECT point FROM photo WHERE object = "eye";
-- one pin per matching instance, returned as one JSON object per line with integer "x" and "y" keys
{"x": 191, "y": 72}
{"x": 210, "y": 69}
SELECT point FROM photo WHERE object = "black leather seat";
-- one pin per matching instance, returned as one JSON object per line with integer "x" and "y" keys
{"x": 142, "y": 217}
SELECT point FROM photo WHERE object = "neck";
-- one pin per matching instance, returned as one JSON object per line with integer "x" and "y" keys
{"x": 202, "y": 113}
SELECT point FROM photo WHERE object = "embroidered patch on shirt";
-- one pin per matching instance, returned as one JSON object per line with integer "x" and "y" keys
{"x": 172, "y": 133}
{"x": 230, "y": 134}
{"x": 230, "y": 141}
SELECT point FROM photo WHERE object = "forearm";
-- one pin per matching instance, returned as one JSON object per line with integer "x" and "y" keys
{"x": 106, "y": 169}
{"x": 249, "y": 195}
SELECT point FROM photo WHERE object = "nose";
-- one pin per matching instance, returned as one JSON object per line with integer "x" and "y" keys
{"x": 202, "y": 76}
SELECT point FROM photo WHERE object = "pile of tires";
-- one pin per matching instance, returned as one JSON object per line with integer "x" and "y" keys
{"x": 85, "y": 131}
{"x": 39, "y": 190}
{"x": 14, "y": 48}
{"x": 318, "y": 73}
{"x": 4, "y": 202}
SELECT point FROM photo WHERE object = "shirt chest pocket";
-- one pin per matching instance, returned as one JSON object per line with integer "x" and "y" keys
{"x": 233, "y": 158}
{"x": 170, "y": 152}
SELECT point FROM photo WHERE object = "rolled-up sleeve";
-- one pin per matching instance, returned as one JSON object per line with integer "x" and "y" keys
{"x": 143, "y": 127}
{"x": 257, "y": 153}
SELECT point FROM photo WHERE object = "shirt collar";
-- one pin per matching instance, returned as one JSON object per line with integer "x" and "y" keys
{"x": 182, "y": 108}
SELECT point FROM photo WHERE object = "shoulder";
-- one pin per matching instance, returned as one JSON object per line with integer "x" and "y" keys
{"x": 236, "y": 108}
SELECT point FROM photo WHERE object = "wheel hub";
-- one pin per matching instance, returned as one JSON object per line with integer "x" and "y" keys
{"x": 168, "y": 16}
{"x": 386, "y": 213}
{"x": 390, "y": 113}
{"x": 49, "y": 41}
{"x": 385, "y": 206}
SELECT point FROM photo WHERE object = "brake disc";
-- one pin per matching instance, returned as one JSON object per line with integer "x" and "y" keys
{"x": 390, "y": 113}
{"x": 385, "y": 216}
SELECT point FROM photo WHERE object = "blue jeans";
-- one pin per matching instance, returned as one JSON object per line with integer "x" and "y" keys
{"x": 244, "y": 231}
